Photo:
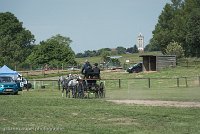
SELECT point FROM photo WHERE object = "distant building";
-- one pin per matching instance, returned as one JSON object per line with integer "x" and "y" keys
{"x": 140, "y": 42}
{"x": 158, "y": 62}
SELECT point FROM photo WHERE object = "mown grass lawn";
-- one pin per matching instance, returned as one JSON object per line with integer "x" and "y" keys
{"x": 45, "y": 111}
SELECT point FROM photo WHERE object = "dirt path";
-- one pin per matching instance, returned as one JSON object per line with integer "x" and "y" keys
{"x": 158, "y": 103}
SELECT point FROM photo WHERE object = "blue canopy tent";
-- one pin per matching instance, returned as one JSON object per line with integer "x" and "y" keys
{"x": 6, "y": 71}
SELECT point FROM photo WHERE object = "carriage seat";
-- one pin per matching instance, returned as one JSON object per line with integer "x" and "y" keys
{"x": 96, "y": 75}
{"x": 93, "y": 75}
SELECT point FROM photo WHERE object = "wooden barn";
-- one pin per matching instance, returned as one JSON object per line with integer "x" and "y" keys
{"x": 156, "y": 63}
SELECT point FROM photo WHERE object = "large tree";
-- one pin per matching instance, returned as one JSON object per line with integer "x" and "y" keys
{"x": 179, "y": 22}
{"x": 163, "y": 33}
{"x": 54, "y": 52}
{"x": 15, "y": 41}
{"x": 192, "y": 11}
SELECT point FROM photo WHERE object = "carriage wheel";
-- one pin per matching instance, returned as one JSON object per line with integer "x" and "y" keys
{"x": 102, "y": 90}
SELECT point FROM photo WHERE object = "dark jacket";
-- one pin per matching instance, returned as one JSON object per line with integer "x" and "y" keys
{"x": 96, "y": 72}
{"x": 85, "y": 68}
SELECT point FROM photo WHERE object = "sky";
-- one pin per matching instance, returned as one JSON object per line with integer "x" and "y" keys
{"x": 90, "y": 24}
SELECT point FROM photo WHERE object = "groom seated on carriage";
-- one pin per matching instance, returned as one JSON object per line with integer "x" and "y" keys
{"x": 91, "y": 73}
{"x": 96, "y": 71}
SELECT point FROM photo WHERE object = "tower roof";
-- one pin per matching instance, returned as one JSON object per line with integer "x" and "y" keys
{"x": 140, "y": 34}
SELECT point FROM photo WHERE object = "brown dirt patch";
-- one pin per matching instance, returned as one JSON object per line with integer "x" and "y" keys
{"x": 122, "y": 121}
{"x": 158, "y": 103}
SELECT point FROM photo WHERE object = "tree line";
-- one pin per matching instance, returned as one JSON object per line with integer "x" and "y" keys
{"x": 18, "y": 48}
{"x": 111, "y": 51}
{"x": 176, "y": 32}
{"x": 179, "y": 23}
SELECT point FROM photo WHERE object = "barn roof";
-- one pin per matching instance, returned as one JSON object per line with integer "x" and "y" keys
{"x": 157, "y": 55}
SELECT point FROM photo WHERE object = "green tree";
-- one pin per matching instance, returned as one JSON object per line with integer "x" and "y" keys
{"x": 135, "y": 49}
{"x": 55, "y": 52}
{"x": 175, "y": 48}
{"x": 89, "y": 53}
{"x": 104, "y": 56}
{"x": 121, "y": 50}
{"x": 165, "y": 30}
{"x": 193, "y": 33}
{"x": 178, "y": 22}
{"x": 16, "y": 42}
{"x": 79, "y": 55}
{"x": 102, "y": 50}
{"x": 129, "y": 50}
{"x": 162, "y": 33}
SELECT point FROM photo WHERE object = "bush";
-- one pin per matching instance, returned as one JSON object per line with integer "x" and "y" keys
{"x": 174, "y": 48}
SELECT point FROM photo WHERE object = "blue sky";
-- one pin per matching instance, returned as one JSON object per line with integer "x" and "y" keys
{"x": 91, "y": 24}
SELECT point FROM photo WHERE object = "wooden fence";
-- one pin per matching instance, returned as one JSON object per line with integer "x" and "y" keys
{"x": 123, "y": 83}
{"x": 188, "y": 62}
{"x": 154, "y": 82}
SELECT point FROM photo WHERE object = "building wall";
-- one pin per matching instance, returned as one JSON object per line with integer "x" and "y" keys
{"x": 165, "y": 61}
{"x": 156, "y": 63}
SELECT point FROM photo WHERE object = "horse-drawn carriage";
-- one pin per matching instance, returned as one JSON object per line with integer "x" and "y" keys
{"x": 79, "y": 87}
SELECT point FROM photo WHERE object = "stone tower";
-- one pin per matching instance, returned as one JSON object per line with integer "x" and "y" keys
{"x": 140, "y": 42}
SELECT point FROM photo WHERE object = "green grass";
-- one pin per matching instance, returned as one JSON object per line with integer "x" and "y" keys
{"x": 45, "y": 111}
{"x": 169, "y": 94}
{"x": 133, "y": 58}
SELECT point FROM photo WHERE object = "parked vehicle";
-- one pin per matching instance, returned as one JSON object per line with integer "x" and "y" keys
{"x": 26, "y": 84}
{"x": 135, "y": 68}
{"x": 8, "y": 85}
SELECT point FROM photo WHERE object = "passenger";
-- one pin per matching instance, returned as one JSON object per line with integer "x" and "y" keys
{"x": 96, "y": 71}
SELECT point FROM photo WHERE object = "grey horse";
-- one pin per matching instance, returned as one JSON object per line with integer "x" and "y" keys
{"x": 71, "y": 83}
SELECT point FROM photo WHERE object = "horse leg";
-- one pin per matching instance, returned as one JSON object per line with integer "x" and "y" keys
{"x": 73, "y": 92}
{"x": 67, "y": 92}
{"x": 81, "y": 91}
{"x": 63, "y": 91}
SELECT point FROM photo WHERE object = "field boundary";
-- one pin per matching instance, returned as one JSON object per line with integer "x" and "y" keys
{"x": 158, "y": 103}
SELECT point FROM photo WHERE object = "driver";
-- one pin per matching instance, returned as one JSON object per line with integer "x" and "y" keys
{"x": 86, "y": 69}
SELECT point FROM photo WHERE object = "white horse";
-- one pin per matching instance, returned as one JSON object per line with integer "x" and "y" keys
{"x": 70, "y": 84}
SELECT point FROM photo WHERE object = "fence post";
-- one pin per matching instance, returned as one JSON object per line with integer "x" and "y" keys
{"x": 34, "y": 84}
{"x": 119, "y": 83}
{"x": 199, "y": 80}
{"x": 149, "y": 82}
{"x": 186, "y": 84}
{"x": 59, "y": 84}
{"x": 177, "y": 82}
{"x": 43, "y": 72}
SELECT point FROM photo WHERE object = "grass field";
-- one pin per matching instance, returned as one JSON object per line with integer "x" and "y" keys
{"x": 46, "y": 111}
{"x": 133, "y": 58}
